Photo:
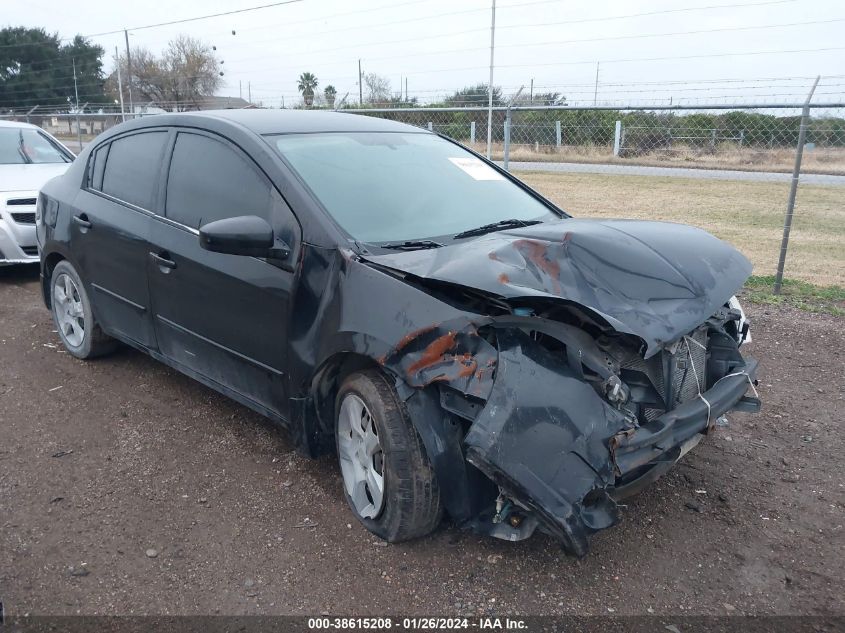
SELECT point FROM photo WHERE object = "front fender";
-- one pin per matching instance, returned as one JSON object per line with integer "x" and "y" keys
{"x": 543, "y": 438}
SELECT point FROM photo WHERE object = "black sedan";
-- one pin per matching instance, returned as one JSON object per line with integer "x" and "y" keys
{"x": 381, "y": 292}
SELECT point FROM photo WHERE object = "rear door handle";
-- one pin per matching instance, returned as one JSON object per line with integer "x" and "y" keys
{"x": 163, "y": 262}
{"x": 82, "y": 220}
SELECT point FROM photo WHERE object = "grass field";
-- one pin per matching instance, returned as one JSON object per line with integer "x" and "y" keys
{"x": 749, "y": 215}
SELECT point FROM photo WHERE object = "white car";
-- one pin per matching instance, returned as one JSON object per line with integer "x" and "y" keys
{"x": 29, "y": 157}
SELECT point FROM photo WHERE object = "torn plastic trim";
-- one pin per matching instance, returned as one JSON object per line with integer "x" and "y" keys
{"x": 633, "y": 448}
{"x": 542, "y": 438}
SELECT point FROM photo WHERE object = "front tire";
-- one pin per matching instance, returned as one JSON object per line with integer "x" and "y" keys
{"x": 72, "y": 314}
{"x": 388, "y": 480}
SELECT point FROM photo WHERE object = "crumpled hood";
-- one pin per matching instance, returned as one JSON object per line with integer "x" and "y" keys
{"x": 657, "y": 280}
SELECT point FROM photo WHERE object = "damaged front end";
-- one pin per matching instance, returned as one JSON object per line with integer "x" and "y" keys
{"x": 564, "y": 421}
{"x": 574, "y": 424}
{"x": 605, "y": 351}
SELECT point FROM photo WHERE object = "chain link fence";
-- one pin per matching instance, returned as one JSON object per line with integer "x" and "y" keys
{"x": 737, "y": 138}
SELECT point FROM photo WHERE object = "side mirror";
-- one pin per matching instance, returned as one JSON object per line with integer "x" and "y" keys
{"x": 242, "y": 235}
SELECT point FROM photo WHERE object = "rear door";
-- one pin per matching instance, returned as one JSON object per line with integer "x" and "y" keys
{"x": 222, "y": 316}
{"x": 110, "y": 229}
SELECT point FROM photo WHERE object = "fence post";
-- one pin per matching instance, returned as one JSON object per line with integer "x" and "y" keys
{"x": 34, "y": 108}
{"x": 557, "y": 134}
{"x": 617, "y": 138}
{"x": 430, "y": 126}
{"x": 508, "y": 127}
{"x": 507, "y": 138}
{"x": 472, "y": 131}
{"x": 793, "y": 188}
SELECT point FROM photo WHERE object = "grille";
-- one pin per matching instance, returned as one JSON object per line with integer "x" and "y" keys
{"x": 24, "y": 218}
{"x": 20, "y": 202}
{"x": 684, "y": 377}
{"x": 30, "y": 250}
{"x": 691, "y": 364}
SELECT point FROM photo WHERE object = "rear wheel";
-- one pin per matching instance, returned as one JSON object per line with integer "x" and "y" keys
{"x": 73, "y": 316}
{"x": 387, "y": 478}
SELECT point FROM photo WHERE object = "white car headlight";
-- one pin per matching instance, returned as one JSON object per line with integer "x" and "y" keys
{"x": 741, "y": 324}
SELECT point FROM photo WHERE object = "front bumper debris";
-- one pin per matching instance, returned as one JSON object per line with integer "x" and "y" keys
{"x": 555, "y": 447}
{"x": 634, "y": 448}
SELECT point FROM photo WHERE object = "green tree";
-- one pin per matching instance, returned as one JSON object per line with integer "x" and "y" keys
{"x": 330, "y": 93}
{"x": 474, "y": 97}
{"x": 307, "y": 84}
{"x": 37, "y": 69}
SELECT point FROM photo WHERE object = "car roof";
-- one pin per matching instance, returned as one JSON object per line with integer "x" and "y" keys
{"x": 16, "y": 124}
{"x": 268, "y": 121}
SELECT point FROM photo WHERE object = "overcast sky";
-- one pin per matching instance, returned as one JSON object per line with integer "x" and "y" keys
{"x": 442, "y": 45}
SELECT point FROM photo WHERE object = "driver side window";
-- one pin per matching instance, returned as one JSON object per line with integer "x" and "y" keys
{"x": 210, "y": 180}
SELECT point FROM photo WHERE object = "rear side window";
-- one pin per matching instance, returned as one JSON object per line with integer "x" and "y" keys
{"x": 210, "y": 180}
{"x": 132, "y": 168}
{"x": 96, "y": 167}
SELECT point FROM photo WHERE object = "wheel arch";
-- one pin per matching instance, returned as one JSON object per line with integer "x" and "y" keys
{"x": 325, "y": 384}
{"x": 49, "y": 263}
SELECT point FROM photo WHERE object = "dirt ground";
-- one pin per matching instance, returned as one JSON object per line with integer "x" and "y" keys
{"x": 128, "y": 488}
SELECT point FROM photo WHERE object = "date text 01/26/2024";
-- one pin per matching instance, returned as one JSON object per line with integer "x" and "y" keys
{"x": 415, "y": 624}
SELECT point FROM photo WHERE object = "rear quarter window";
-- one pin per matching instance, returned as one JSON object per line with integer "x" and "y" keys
{"x": 96, "y": 167}
{"x": 132, "y": 167}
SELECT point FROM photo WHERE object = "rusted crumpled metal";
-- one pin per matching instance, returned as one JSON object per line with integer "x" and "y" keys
{"x": 452, "y": 352}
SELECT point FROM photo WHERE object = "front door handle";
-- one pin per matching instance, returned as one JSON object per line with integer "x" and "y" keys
{"x": 82, "y": 221}
{"x": 162, "y": 261}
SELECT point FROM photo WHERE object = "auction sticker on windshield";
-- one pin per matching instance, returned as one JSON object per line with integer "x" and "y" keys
{"x": 477, "y": 169}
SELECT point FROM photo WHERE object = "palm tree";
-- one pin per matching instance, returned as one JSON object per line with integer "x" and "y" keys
{"x": 307, "y": 83}
{"x": 330, "y": 93}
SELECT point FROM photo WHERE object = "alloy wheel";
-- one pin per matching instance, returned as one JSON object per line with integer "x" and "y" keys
{"x": 70, "y": 314}
{"x": 361, "y": 457}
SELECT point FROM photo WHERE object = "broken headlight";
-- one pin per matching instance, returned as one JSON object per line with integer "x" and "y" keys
{"x": 742, "y": 325}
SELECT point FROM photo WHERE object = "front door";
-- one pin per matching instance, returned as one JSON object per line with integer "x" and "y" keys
{"x": 224, "y": 317}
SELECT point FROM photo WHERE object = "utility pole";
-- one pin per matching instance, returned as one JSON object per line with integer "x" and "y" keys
{"x": 490, "y": 85}
{"x": 596, "y": 92}
{"x": 76, "y": 94}
{"x": 360, "y": 85}
{"x": 793, "y": 188}
{"x": 240, "y": 88}
{"x": 119, "y": 85}
{"x": 129, "y": 72}
{"x": 249, "y": 91}
{"x": 406, "y": 89}
{"x": 531, "y": 93}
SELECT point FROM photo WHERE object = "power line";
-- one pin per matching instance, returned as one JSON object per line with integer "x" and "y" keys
{"x": 653, "y": 13}
{"x": 194, "y": 19}
{"x": 530, "y": 44}
{"x": 486, "y": 29}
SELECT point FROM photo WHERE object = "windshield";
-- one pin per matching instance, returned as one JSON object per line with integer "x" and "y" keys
{"x": 389, "y": 186}
{"x": 25, "y": 146}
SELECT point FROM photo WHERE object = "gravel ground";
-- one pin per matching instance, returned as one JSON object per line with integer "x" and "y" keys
{"x": 128, "y": 488}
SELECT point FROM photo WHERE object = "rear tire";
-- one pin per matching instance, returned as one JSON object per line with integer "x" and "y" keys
{"x": 72, "y": 314}
{"x": 384, "y": 443}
